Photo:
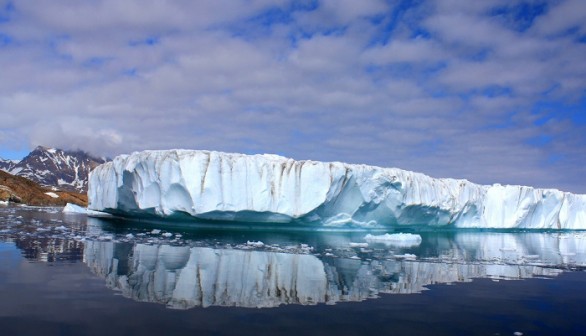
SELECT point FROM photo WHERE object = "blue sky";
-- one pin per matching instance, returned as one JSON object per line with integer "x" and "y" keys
{"x": 491, "y": 91}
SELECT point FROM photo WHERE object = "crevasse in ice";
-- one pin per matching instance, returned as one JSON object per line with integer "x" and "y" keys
{"x": 270, "y": 188}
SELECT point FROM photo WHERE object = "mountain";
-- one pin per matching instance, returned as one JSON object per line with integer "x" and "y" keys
{"x": 7, "y": 165}
{"x": 55, "y": 168}
{"x": 18, "y": 189}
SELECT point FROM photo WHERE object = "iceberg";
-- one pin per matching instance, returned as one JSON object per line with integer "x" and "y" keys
{"x": 73, "y": 208}
{"x": 216, "y": 186}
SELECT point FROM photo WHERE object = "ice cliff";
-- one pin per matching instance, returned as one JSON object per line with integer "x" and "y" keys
{"x": 270, "y": 188}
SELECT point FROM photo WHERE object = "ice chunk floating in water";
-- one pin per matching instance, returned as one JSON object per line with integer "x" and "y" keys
{"x": 273, "y": 189}
{"x": 72, "y": 208}
{"x": 396, "y": 239}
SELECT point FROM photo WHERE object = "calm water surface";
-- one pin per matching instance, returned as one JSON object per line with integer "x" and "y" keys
{"x": 66, "y": 274}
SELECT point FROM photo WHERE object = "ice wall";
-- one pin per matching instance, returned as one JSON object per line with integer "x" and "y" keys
{"x": 270, "y": 188}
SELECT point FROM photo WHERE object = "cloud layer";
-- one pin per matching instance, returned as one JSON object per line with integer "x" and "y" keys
{"x": 491, "y": 91}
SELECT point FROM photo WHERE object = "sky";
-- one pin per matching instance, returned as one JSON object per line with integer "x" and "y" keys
{"x": 491, "y": 91}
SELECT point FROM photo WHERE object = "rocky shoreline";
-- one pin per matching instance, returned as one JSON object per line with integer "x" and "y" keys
{"x": 16, "y": 189}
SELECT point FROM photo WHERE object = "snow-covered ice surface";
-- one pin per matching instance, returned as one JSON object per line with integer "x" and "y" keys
{"x": 183, "y": 267}
{"x": 206, "y": 185}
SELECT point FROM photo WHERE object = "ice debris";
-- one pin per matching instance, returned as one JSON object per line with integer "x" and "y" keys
{"x": 72, "y": 208}
{"x": 396, "y": 239}
{"x": 255, "y": 244}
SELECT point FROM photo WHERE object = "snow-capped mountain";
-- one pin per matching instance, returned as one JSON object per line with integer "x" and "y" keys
{"x": 7, "y": 165}
{"x": 50, "y": 167}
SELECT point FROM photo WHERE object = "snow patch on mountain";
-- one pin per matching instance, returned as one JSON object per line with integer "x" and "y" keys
{"x": 7, "y": 165}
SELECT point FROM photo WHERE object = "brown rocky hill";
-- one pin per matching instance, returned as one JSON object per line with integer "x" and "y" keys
{"x": 18, "y": 189}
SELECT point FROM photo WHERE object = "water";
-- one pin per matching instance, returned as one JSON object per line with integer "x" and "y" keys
{"x": 66, "y": 274}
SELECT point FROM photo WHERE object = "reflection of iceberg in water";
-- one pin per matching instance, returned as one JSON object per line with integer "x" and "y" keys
{"x": 184, "y": 277}
{"x": 554, "y": 250}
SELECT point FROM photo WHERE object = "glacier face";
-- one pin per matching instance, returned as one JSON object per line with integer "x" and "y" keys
{"x": 273, "y": 189}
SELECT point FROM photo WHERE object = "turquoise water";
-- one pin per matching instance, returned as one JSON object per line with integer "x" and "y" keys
{"x": 73, "y": 275}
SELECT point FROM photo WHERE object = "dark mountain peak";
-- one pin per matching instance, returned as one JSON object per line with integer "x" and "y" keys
{"x": 56, "y": 168}
{"x": 41, "y": 148}
{"x": 52, "y": 150}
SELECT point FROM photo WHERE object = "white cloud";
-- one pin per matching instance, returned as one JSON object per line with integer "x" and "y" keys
{"x": 567, "y": 15}
{"x": 410, "y": 51}
{"x": 336, "y": 13}
{"x": 450, "y": 90}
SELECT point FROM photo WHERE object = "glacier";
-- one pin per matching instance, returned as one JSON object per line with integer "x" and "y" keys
{"x": 266, "y": 188}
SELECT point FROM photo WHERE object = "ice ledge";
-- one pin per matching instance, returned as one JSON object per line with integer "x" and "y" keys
{"x": 270, "y": 188}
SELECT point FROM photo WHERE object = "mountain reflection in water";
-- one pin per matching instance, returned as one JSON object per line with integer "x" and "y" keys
{"x": 183, "y": 277}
